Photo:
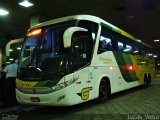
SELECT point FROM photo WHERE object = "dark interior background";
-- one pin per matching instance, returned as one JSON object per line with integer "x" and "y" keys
{"x": 141, "y": 18}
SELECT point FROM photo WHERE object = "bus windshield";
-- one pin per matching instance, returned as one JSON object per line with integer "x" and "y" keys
{"x": 45, "y": 51}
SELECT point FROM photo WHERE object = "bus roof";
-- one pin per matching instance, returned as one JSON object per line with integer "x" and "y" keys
{"x": 93, "y": 19}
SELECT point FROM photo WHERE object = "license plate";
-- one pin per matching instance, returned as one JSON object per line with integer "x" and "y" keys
{"x": 35, "y": 99}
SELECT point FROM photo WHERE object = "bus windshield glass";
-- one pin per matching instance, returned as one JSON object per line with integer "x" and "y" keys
{"x": 46, "y": 49}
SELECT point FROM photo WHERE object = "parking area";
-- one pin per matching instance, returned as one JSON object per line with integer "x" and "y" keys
{"x": 137, "y": 103}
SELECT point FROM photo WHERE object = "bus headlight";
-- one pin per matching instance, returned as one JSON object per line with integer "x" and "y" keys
{"x": 63, "y": 85}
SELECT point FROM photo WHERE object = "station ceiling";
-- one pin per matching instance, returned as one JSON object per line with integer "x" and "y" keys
{"x": 141, "y": 18}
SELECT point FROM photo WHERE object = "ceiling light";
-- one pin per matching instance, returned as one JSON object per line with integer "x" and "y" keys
{"x": 3, "y": 12}
{"x": 18, "y": 48}
{"x": 11, "y": 59}
{"x": 156, "y": 40}
{"x": 8, "y": 62}
{"x": 155, "y": 56}
{"x": 10, "y": 50}
{"x": 26, "y": 3}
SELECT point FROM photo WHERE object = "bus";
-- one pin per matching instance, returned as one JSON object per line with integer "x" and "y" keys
{"x": 75, "y": 59}
{"x": 12, "y": 50}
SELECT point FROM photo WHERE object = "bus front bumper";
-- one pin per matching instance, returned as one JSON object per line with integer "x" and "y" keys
{"x": 63, "y": 97}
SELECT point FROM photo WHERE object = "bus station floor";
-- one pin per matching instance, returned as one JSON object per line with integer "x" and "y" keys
{"x": 133, "y": 104}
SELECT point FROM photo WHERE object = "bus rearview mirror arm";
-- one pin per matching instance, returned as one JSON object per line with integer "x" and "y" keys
{"x": 67, "y": 36}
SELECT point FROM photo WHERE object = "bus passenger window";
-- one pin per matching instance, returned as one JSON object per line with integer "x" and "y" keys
{"x": 82, "y": 49}
{"x": 105, "y": 43}
{"x": 120, "y": 46}
{"x": 128, "y": 49}
{"x": 142, "y": 52}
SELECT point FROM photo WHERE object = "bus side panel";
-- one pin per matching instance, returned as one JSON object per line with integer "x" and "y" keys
{"x": 108, "y": 65}
{"x": 143, "y": 66}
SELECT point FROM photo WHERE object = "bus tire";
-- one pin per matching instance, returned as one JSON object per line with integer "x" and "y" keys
{"x": 149, "y": 80}
{"x": 146, "y": 81}
{"x": 103, "y": 91}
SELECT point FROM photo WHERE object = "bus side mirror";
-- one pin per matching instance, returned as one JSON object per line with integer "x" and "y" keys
{"x": 67, "y": 36}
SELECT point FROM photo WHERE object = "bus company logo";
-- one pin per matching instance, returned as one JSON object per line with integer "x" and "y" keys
{"x": 85, "y": 93}
{"x": 105, "y": 60}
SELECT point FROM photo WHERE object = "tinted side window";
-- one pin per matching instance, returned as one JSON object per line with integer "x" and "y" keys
{"x": 142, "y": 52}
{"x": 128, "y": 49}
{"x": 91, "y": 26}
{"x": 82, "y": 48}
{"x": 120, "y": 46}
{"x": 105, "y": 42}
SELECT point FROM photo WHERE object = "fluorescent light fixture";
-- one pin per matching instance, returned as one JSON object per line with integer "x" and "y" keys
{"x": 156, "y": 40}
{"x": 25, "y": 3}
{"x": 18, "y": 48}
{"x": 10, "y": 50}
{"x": 150, "y": 54}
{"x": 155, "y": 56}
{"x": 8, "y": 62}
{"x": 3, "y": 12}
{"x": 11, "y": 59}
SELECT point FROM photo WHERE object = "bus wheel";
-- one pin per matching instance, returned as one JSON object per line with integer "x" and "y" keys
{"x": 103, "y": 91}
{"x": 147, "y": 81}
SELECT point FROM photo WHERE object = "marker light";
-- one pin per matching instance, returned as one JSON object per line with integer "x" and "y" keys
{"x": 111, "y": 68}
{"x": 34, "y": 32}
{"x": 130, "y": 68}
